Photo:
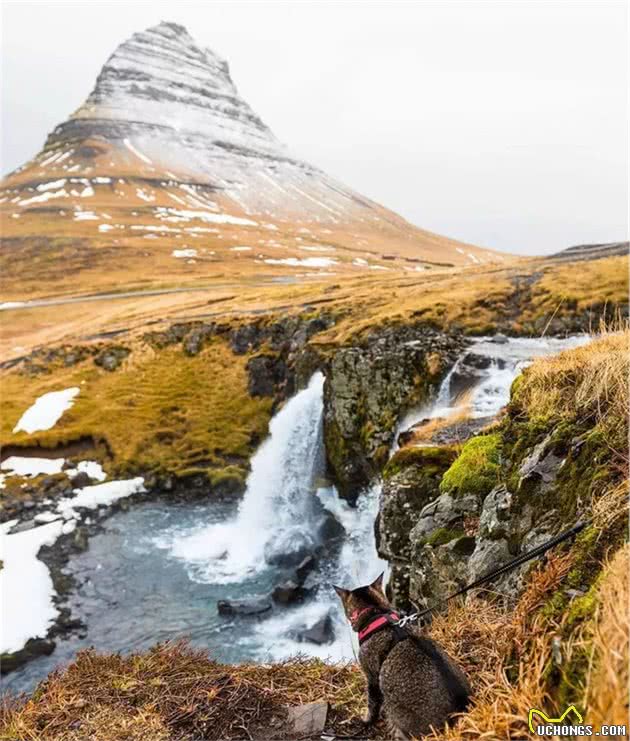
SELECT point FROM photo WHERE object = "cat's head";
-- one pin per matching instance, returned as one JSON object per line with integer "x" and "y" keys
{"x": 358, "y": 601}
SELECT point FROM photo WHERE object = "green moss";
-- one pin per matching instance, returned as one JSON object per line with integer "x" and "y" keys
{"x": 584, "y": 607}
{"x": 443, "y": 535}
{"x": 476, "y": 470}
{"x": 572, "y": 678}
{"x": 230, "y": 478}
{"x": 554, "y": 606}
{"x": 432, "y": 460}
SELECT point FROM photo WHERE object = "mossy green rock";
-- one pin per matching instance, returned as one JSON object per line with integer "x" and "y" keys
{"x": 368, "y": 386}
{"x": 476, "y": 469}
{"x": 411, "y": 480}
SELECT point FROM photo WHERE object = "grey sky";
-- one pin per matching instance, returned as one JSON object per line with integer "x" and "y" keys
{"x": 504, "y": 124}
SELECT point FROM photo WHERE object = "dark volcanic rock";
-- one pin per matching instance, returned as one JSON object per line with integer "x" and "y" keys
{"x": 193, "y": 342}
{"x": 254, "y": 606}
{"x": 33, "y": 648}
{"x": 266, "y": 374}
{"x": 245, "y": 338}
{"x": 288, "y": 554}
{"x": 320, "y": 633}
{"x": 287, "y": 592}
{"x": 304, "y": 569}
{"x": 80, "y": 480}
{"x": 111, "y": 357}
{"x": 23, "y": 526}
{"x": 368, "y": 386}
{"x": 330, "y": 530}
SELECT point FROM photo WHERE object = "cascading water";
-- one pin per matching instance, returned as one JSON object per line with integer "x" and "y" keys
{"x": 488, "y": 386}
{"x": 278, "y": 513}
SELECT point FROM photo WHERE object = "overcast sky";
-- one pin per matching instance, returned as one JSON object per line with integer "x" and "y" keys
{"x": 504, "y": 124}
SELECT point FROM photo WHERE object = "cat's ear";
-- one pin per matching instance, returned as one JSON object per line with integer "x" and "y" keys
{"x": 378, "y": 583}
{"x": 343, "y": 593}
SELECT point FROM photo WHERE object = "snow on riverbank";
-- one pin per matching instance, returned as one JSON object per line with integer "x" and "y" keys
{"x": 90, "y": 497}
{"x": 26, "y": 587}
{"x": 46, "y": 411}
{"x": 16, "y": 465}
{"x": 93, "y": 469}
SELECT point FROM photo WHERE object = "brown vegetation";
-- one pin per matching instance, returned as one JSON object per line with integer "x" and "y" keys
{"x": 176, "y": 693}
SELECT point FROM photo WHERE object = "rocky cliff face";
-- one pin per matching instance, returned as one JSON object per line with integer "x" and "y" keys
{"x": 368, "y": 386}
{"x": 444, "y": 523}
{"x": 160, "y": 82}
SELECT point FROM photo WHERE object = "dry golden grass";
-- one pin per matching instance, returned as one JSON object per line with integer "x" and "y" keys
{"x": 505, "y": 653}
{"x": 160, "y": 411}
{"x": 606, "y": 695}
{"x": 577, "y": 286}
{"x": 174, "y": 692}
{"x": 475, "y": 300}
{"x": 588, "y": 382}
{"x": 610, "y": 509}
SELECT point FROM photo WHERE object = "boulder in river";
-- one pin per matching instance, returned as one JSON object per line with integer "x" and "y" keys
{"x": 320, "y": 633}
{"x": 304, "y": 568}
{"x": 289, "y": 552}
{"x": 287, "y": 592}
{"x": 330, "y": 529}
{"x": 254, "y": 606}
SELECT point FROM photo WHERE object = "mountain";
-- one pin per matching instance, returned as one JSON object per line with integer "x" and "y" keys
{"x": 592, "y": 251}
{"x": 166, "y": 174}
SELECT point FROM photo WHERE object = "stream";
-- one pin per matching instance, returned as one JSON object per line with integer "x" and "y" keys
{"x": 157, "y": 571}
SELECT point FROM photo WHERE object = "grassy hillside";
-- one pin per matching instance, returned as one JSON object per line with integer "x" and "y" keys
{"x": 162, "y": 411}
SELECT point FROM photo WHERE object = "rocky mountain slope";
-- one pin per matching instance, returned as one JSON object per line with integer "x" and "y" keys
{"x": 165, "y": 173}
{"x": 592, "y": 251}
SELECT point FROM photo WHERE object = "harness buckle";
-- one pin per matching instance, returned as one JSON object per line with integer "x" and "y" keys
{"x": 407, "y": 619}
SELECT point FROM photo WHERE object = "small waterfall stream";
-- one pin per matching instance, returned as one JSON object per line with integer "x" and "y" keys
{"x": 281, "y": 513}
{"x": 278, "y": 514}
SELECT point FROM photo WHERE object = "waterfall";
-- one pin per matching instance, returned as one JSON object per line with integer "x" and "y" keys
{"x": 490, "y": 386}
{"x": 278, "y": 509}
{"x": 282, "y": 509}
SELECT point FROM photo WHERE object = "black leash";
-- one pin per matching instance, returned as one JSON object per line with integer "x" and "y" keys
{"x": 514, "y": 563}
